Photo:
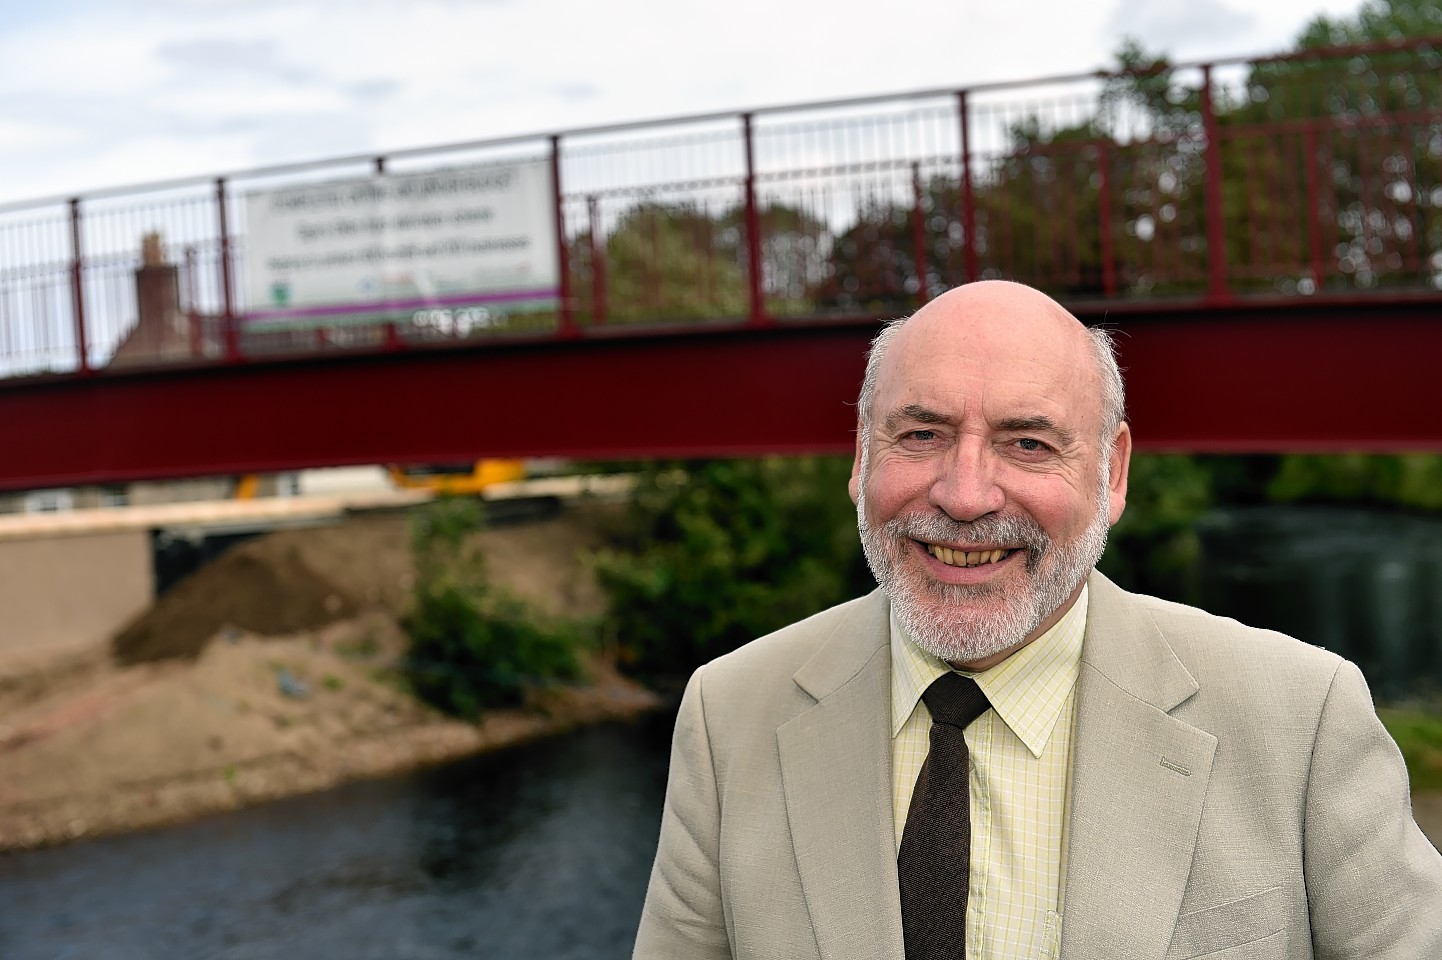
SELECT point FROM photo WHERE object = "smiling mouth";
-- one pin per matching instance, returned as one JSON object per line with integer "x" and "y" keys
{"x": 964, "y": 558}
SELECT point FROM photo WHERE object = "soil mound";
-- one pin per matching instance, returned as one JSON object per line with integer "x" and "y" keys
{"x": 281, "y": 583}
{"x": 291, "y": 581}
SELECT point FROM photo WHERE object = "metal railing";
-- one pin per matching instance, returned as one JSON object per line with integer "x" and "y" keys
{"x": 1313, "y": 174}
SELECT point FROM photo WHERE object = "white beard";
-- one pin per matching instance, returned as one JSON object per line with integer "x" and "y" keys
{"x": 949, "y": 621}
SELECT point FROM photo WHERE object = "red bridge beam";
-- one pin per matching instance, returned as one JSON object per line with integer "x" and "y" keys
{"x": 1291, "y": 376}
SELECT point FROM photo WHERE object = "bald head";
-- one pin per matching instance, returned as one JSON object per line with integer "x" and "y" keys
{"x": 999, "y": 318}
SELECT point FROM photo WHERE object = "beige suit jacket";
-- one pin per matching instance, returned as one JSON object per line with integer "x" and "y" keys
{"x": 1234, "y": 796}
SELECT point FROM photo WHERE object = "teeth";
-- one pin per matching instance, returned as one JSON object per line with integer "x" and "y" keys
{"x": 964, "y": 558}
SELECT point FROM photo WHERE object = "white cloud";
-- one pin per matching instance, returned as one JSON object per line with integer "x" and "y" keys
{"x": 1180, "y": 28}
{"x": 23, "y": 135}
{"x": 214, "y": 85}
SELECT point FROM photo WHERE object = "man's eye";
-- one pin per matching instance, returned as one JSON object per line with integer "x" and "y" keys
{"x": 1031, "y": 445}
{"x": 924, "y": 435}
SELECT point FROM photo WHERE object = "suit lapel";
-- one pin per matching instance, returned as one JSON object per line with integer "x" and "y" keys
{"x": 836, "y": 774}
{"x": 1139, "y": 779}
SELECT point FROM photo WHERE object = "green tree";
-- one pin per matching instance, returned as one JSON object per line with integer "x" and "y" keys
{"x": 1375, "y": 20}
{"x": 721, "y": 552}
{"x": 873, "y": 268}
{"x": 1154, "y": 548}
{"x": 1357, "y": 137}
{"x": 666, "y": 262}
{"x": 1367, "y": 126}
{"x": 1412, "y": 481}
{"x": 472, "y": 645}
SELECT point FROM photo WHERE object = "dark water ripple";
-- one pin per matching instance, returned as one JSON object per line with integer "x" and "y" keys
{"x": 538, "y": 852}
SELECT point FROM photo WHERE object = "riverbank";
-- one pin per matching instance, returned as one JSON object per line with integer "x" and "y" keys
{"x": 270, "y": 673}
{"x": 100, "y": 749}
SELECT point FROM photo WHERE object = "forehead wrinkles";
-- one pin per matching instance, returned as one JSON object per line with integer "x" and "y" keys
{"x": 990, "y": 330}
{"x": 975, "y": 400}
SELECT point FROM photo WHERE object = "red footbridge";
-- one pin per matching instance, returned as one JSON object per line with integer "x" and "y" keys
{"x": 1264, "y": 234}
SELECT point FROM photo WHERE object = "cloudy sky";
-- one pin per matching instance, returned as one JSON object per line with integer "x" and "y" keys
{"x": 99, "y": 93}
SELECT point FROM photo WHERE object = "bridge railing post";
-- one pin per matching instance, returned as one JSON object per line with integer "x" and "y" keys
{"x": 1212, "y": 161}
{"x": 227, "y": 317}
{"x": 390, "y": 336}
{"x": 1104, "y": 219}
{"x": 918, "y": 234}
{"x": 756, "y": 295}
{"x": 971, "y": 268}
{"x": 565, "y": 315}
{"x": 598, "y": 262}
{"x": 1314, "y": 205}
{"x": 192, "y": 305}
{"x": 77, "y": 289}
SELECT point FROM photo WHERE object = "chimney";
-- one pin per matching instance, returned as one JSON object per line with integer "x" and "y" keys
{"x": 157, "y": 293}
{"x": 161, "y": 331}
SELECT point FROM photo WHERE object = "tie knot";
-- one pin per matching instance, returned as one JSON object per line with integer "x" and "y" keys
{"x": 955, "y": 700}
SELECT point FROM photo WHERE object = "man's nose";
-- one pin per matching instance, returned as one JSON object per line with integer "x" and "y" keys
{"x": 966, "y": 487}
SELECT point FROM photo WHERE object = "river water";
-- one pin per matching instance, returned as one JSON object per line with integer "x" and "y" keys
{"x": 542, "y": 851}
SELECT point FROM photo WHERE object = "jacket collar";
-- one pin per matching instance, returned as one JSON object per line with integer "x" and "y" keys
{"x": 1139, "y": 779}
{"x": 836, "y": 777}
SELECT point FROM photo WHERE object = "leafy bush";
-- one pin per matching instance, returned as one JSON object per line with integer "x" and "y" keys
{"x": 1419, "y": 735}
{"x": 720, "y": 552}
{"x": 1409, "y": 481}
{"x": 473, "y": 646}
{"x": 1154, "y": 548}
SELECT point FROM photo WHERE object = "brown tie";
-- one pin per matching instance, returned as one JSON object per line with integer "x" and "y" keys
{"x": 934, "y": 863}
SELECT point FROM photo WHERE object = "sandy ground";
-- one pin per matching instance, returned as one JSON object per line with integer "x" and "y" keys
{"x": 288, "y": 687}
{"x": 1427, "y": 807}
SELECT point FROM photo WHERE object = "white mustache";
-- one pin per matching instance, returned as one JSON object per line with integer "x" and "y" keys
{"x": 1003, "y": 529}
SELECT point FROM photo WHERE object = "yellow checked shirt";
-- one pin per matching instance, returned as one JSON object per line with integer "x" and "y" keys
{"x": 1020, "y": 758}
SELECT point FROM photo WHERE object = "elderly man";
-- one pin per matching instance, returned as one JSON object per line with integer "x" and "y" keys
{"x": 1000, "y": 754}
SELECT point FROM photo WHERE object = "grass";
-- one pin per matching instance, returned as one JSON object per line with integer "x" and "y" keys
{"x": 1419, "y": 734}
{"x": 362, "y": 649}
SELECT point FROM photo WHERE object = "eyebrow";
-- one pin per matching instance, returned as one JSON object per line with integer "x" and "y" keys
{"x": 914, "y": 413}
{"x": 1036, "y": 424}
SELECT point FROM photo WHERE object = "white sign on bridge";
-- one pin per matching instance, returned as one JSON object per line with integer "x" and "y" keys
{"x": 477, "y": 240}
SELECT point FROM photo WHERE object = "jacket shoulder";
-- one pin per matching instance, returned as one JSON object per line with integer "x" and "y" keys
{"x": 1238, "y": 664}
{"x": 1207, "y": 634}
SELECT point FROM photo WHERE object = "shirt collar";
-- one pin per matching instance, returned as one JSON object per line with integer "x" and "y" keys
{"x": 1028, "y": 689}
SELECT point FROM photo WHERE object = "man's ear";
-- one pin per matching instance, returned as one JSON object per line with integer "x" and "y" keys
{"x": 1121, "y": 463}
{"x": 853, "y": 486}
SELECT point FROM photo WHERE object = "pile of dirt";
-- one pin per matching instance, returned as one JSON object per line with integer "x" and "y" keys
{"x": 295, "y": 580}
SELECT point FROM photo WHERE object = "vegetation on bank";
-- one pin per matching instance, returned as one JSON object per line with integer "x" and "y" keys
{"x": 717, "y": 553}
{"x": 1419, "y": 735}
{"x": 710, "y": 555}
{"x": 473, "y": 646}
{"x": 714, "y": 554}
